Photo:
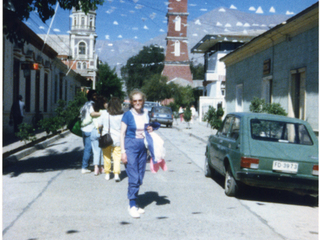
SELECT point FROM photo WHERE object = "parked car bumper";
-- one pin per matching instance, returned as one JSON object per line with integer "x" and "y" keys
{"x": 162, "y": 120}
{"x": 280, "y": 181}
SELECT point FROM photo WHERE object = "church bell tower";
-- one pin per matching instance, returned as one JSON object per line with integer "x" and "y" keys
{"x": 177, "y": 64}
{"x": 82, "y": 44}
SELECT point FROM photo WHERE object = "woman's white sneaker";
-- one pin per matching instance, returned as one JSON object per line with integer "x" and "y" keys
{"x": 117, "y": 178}
{"x": 133, "y": 211}
{"x": 107, "y": 177}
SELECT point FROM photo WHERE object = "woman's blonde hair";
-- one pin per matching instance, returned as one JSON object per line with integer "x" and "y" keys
{"x": 134, "y": 92}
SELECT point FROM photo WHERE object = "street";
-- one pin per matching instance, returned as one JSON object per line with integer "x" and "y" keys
{"x": 46, "y": 197}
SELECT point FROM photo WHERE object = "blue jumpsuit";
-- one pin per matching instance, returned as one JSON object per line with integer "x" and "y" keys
{"x": 135, "y": 149}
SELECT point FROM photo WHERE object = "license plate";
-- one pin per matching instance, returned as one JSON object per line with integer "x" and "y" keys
{"x": 162, "y": 115}
{"x": 288, "y": 167}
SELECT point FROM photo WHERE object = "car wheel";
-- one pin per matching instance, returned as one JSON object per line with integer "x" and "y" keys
{"x": 208, "y": 171}
{"x": 230, "y": 184}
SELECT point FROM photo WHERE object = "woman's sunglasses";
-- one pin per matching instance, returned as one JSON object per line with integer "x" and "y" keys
{"x": 138, "y": 100}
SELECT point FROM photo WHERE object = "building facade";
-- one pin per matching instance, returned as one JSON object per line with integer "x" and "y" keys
{"x": 280, "y": 66}
{"x": 82, "y": 57}
{"x": 214, "y": 47}
{"x": 35, "y": 72}
{"x": 177, "y": 64}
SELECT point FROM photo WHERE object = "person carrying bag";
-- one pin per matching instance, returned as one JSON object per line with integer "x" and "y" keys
{"x": 106, "y": 139}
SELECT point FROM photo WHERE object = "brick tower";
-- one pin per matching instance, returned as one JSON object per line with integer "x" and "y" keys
{"x": 177, "y": 65}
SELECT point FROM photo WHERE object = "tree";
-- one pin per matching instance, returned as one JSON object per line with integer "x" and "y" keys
{"x": 141, "y": 67}
{"x": 16, "y": 11}
{"x": 109, "y": 84}
{"x": 213, "y": 117}
{"x": 183, "y": 96}
{"x": 156, "y": 88}
{"x": 197, "y": 71}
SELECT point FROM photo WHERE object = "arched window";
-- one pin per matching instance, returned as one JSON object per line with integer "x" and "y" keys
{"x": 79, "y": 65}
{"x": 84, "y": 65}
{"x": 91, "y": 22}
{"x": 82, "y": 21}
{"x": 74, "y": 21}
{"x": 82, "y": 48}
{"x": 177, "y": 24}
{"x": 177, "y": 48}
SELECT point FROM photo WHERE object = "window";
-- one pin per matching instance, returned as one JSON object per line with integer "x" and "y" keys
{"x": 82, "y": 21}
{"x": 283, "y": 132}
{"x": 267, "y": 90}
{"x": 225, "y": 126}
{"x": 82, "y": 48}
{"x": 16, "y": 79}
{"x": 91, "y": 22}
{"x": 45, "y": 93}
{"x": 66, "y": 90}
{"x": 84, "y": 65}
{"x": 56, "y": 89}
{"x": 177, "y": 48}
{"x": 235, "y": 128}
{"x": 28, "y": 93}
{"x": 74, "y": 21}
{"x": 60, "y": 87}
{"x": 37, "y": 98}
{"x": 78, "y": 65}
{"x": 177, "y": 24}
{"x": 239, "y": 98}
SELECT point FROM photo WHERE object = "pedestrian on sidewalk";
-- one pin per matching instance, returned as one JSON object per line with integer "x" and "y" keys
{"x": 87, "y": 112}
{"x": 193, "y": 113}
{"x": 181, "y": 113}
{"x": 17, "y": 113}
{"x": 98, "y": 107}
{"x": 133, "y": 151}
{"x": 112, "y": 119}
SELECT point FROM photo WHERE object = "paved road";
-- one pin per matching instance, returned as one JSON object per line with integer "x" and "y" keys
{"x": 46, "y": 197}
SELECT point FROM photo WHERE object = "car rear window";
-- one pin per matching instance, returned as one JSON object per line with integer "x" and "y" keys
{"x": 162, "y": 110}
{"x": 276, "y": 131}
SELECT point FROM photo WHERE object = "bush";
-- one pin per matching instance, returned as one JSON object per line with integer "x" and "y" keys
{"x": 51, "y": 124}
{"x": 213, "y": 117}
{"x": 26, "y": 133}
{"x": 260, "y": 106}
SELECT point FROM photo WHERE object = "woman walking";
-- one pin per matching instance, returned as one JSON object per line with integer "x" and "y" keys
{"x": 112, "y": 120}
{"x": 87, "y": 113}
{"x": 98, "y": 107}
{"x": 133, "y": 150}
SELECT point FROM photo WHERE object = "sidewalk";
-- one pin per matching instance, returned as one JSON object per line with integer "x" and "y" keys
{"x": 13, "y": 149}
{"x": 199, "y": 130}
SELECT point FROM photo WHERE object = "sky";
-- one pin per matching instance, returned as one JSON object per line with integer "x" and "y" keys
{"x": 142, "y": 20}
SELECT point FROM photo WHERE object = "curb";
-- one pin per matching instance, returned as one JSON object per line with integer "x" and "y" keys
{"x": 42, "y": 145}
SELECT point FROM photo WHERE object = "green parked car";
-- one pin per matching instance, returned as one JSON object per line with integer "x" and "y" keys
{"x": 264, "y": 150}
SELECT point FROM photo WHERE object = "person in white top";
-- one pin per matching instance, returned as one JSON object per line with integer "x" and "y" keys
{"x": 193, "y": 113}
{"x": 112, "y": 117}
{"x": 17, "y": 113}
{"x": 98, "y": 107}
{"x": 86, "y": 112}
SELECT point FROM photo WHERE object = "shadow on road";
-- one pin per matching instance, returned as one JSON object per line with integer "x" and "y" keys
{"x": 270, "y": 195}
{"x": 53, "y": 161}
{"x": 149, "y": 197}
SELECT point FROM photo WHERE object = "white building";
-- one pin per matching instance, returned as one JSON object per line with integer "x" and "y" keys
{"x": 214, "y": 47}
{"x": 40, "y": 88}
